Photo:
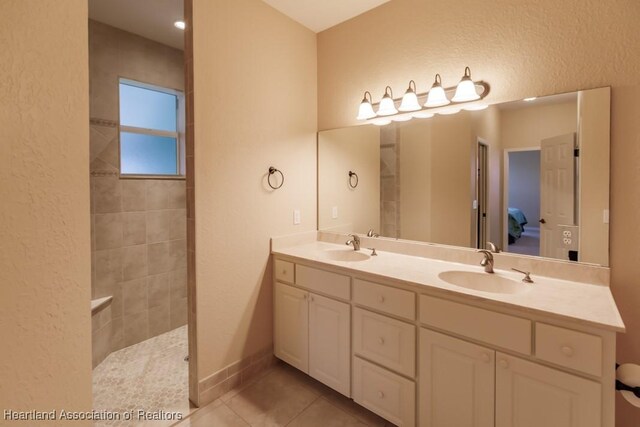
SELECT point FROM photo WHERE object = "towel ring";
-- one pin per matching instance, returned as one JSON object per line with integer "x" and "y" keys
{"x": 273, "y": 170}
{"x": 351, "y": 175}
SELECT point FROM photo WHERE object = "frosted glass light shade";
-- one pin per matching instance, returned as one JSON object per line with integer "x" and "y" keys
{"x": 410, "y": 99}
{"x": 437, "y": 96}
{"x": 387, "y": 107}
{"x": 409, "y": 102}
{"x": 366, "y": 109}
{"x": 466, "y": 90}
{"x": 401, "y": 118}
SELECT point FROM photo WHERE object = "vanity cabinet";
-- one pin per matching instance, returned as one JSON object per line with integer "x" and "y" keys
{"x": 457, "y": 382}
{"x": 440, "y": 361}
{"x": 313, "y": 333}
{"x": 532, "y": 395}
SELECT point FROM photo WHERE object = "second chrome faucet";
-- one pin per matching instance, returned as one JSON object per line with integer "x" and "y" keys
{"x": 355, "y": 241}
{"x": 487, "y": 261}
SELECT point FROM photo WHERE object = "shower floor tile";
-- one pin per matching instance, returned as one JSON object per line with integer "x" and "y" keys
{"x": 151, "y": 376}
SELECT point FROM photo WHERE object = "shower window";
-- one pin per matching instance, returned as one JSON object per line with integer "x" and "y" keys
{"x": 151, "y": 120}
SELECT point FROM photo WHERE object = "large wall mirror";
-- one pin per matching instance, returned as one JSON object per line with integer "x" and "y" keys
{"x": 531, "y": 176}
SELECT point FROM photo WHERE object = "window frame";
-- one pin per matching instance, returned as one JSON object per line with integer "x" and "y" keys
{"x": 179, "y": 134}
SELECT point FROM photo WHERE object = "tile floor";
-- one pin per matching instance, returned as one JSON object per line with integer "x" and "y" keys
{"x": 151, "y": 375}
{"x": 283, "y": 396}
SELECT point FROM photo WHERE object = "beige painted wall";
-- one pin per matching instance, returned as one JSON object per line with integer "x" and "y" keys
{"x": 526, "y": 127}
{"x": 415, "y": 180}
{"x": 45, "y": 267}
{"x": 593, "y": 133}
{"x": 522, "y": 49}
{"x": 340, "y": 151}
{"x": 255, "y": 107}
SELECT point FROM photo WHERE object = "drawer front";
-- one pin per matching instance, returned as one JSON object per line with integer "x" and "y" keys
{"x": 284, "y": 271}
{"x": 386, "y": 341}
{"x": 390, "y": 300}
{"x": 572, "y": 349}
{"x": 385, "y": 393}
{"x": 498, "y": 329}
{"x": 324, "y": 282}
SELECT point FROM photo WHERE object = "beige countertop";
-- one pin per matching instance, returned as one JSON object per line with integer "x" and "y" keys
{"x": 586, "y": 303}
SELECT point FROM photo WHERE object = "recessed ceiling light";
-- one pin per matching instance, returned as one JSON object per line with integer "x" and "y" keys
{"x": 533, "y": 98}
{"x": 180, "y": 24}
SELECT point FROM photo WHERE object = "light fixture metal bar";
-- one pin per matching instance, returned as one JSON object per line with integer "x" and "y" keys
{"x": 485, "y": 91}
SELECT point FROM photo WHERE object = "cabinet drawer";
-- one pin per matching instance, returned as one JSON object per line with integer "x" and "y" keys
{"x": 284, "y": 271}
{"x": 498, "y": 329}
{"x": 383, "y": 392}
{"x": 386, "y": 341}
{"x": 324, "y": 282}
{"x": 572, "y": 349}
{"x": 385, "y": 298}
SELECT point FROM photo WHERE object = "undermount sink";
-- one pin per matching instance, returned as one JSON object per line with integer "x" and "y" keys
{"x": 345, "y": 255}
{"x": 485, "y": 282}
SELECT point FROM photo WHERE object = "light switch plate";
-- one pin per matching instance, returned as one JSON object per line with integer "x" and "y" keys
{"x": 296, "y": 216}
{"x": 334, "y": 212}
{"x": 605, "y": 216}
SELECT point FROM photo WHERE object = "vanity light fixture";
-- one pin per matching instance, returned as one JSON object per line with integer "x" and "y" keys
{"x": 467, "y": 92}
{"x": 410, "y": 99}
{"x": 181, "y": 25}
{"x": 387, "y": 107}
{"x": 437, "y": 96}
{"x": 366, "y": 109}
{"x": 466, "y": 89}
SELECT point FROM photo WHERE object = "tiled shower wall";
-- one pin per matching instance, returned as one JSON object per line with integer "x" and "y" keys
{"x": 390, "y": 181}
{"x": 138, "y": 225}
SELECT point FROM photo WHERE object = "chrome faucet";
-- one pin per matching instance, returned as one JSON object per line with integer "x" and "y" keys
{"x": 487, "y": 261}
{"x": 372, "y": 233}
{"x": 355, "y": 241}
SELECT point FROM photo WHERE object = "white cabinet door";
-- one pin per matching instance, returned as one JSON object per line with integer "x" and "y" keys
{"x": 329, "y": 338}
{"x": 291, "y": 337}
{"x": 531, "y": 395}
{"x": 456, "y": 382}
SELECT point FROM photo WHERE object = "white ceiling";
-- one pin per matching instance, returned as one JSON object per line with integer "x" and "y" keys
{"x": 152, "y": 19}
{"x": 318, "y": 15}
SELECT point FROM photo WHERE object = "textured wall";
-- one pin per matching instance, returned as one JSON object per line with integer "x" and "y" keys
{"x": 521, "y": 48}
{"x": 138, "y": 225}
{"x": 354, "y": 149}
{"x": 45, "y": 267}
{"x": 255, "y": 107}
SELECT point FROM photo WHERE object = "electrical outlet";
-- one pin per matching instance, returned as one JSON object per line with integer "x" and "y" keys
{"x": 566, "y": 233}
{"x": 566, "y": 241}
{"x": 334, "y": 212}
{"x": 296, "y": 216}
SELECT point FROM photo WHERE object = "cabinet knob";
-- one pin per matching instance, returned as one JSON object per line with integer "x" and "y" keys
{"x": 486, "y": 358}
{"x": 380, "y": 299}
{"x": 305, "y": 296}
{"x": 567, "y": 351}
{"x": 284, "y": 272}
{"x": 381, "y": 395}
{"x": 503, "y": 364}
{"x": 381, "y": 341}
{"x": 311, "y": 298}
